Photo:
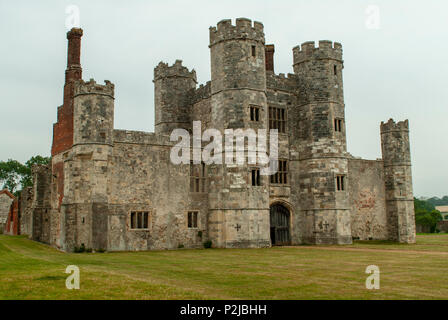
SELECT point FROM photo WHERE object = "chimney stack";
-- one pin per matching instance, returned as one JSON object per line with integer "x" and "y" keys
{"x": 269, "y": 52}
{"x": 74, "y": 71}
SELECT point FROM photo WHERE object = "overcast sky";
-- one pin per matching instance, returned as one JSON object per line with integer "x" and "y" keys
{"x": 397, "y": 68}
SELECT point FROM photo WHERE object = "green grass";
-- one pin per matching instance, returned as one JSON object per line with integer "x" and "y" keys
{"x": 29, "y": 270}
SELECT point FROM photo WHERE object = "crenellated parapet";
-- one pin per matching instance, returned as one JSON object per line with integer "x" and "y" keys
{"x": 282, "y": 82}
{"x": 242, "y": 30}
{"x": 395, "y": 142}
{"x": 325, "y": 50}
{"x": 91, "y": 87}
{"x": 391, "y": 126}
{"x": 203, "y": 92}
{"x": 163, "y": 70}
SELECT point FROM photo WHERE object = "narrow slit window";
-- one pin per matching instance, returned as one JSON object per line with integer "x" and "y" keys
{"x": 338, "y": 125}
{"x": 340, "y": 183}
{"x": 335, "y": 69}
{"x": 255, "y": 177}
{"x": 254, "y": 113}
{"x": 254, "y": 51}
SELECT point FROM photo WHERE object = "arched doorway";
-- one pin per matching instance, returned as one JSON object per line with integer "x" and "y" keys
{"x": 279, "y": 225}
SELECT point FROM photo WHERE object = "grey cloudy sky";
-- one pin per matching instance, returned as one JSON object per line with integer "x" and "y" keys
{"x": 398, "y": 70}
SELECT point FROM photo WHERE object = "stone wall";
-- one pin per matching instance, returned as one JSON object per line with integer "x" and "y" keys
{"x": 6, "y": 198}
{"x": 367, "y": 199}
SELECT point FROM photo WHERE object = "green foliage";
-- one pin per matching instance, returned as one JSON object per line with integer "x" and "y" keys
{"x": 15, "y": 175}
{"x": 426, "y": 214}
{"x": 180, "y": 246}
{"x": 208, "y": 244}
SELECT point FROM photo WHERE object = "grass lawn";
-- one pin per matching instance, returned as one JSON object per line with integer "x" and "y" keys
{"x": 29, "y": 270}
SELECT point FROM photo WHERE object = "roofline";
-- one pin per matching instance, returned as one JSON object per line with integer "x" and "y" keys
{"x": 6, "y": 191}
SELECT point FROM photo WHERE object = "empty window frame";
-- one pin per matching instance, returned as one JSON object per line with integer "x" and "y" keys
{"x": 277, "y": 119}
{"x": 281, "y": 176}
{"x": 254, "y": 51}
{"x": 338, "y": 124}
{"x": 139, "y": 220}
{"x": 198, "y": 178}
{"x": 192, "y": 218}
{"x": 254, "y": 113}
{"x": 340, "y": 183}
{"x": 255, "y": 177}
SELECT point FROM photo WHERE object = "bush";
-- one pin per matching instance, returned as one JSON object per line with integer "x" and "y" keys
{"x": 200, "y": 234}
{"x": 207, "y": 244}
{"x": 80, "y": 249}
{"x": 180, "y": 246}
{"x": 100, "y": 250}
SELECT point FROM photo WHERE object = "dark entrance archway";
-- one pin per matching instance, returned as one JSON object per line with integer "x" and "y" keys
{"x": 280, "y": 225}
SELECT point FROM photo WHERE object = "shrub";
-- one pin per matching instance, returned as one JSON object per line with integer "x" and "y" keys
{"x": 208, "y": 244}
{"x": 180, "y": 246}
{"x": 80, "y": 249}
{"x": 200, "y": 234}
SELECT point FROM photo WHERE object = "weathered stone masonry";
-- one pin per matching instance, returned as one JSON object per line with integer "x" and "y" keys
{"x": 118, "y": 190}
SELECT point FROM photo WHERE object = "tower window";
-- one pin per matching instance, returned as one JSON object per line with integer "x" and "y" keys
{"x": 254, "y": 51}
{"x": 255, "y": 177}
{"x": 338, "y": 125}
{"x": 198, "y": 178}
{"x": 254, "y": 113}
{"x": 335, "y": 69}
{"x": 139, "y": 220}
{"x": 340, "y": 183}
{"x": 192, "y": 219}
{"x": 281, "y": 176}
{"x": 277, "y": 119}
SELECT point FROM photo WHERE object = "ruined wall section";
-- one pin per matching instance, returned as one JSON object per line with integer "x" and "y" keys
{"x": 367, "y": 199}
{"x": 42, "y": 221}
{"x": 321, "y": 150}
{"x": 144, "y": 179}
{"x": 26, "y": 211}
{"x": 6, "y": 198}
{"x": 396, "y": 152}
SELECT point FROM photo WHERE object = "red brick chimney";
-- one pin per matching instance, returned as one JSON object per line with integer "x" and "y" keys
{"x": 269, "y": 52}
{"x": 63, "y": 129}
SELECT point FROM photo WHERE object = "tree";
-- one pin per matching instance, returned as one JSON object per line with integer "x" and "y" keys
{"x": 15, "y": 175}
{"x": 426, "y": 214}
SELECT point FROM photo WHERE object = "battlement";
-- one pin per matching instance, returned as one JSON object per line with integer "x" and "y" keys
{"x": 91, "y": 87}
{"x": 242, "y": 30}
{"x": 163, "y": 70}
{"x": 203, "y": 92}
{"x": 392, "y": 126}
{"x": 281, "y": 81}
{"x": 325, "y": 50}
